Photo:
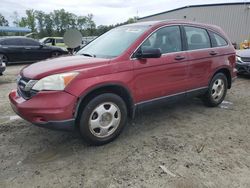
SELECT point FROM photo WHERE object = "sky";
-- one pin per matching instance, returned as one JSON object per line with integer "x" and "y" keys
{"x": 106, "y": 12}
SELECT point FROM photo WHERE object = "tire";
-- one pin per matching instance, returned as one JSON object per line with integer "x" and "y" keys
{"x": 55, "y": 54}
{"x": 4, "y": 59}
{"x": 217, "y": 90}
{"x": 103, "y": 119}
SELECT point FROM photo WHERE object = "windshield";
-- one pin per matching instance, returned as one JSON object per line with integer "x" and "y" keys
{"x": 42, "y": 40}
{"x": 113, "y": 43}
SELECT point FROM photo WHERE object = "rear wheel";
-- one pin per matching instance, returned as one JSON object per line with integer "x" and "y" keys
{"x": 103, "y": 119}
{"x": 4, "y": 58}
{"x": 217, "y": 90}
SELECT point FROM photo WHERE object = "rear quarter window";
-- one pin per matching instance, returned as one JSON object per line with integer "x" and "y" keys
{"x": 217, "y": 40}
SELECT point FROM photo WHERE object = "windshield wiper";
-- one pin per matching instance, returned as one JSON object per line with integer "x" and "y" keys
{"x": 88, "y": 55}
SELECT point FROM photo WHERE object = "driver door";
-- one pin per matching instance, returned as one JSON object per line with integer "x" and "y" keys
{"x": 159, "y": 78}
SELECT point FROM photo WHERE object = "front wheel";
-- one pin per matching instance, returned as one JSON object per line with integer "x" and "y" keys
{"x": 103, "y": 119}
{"x": 217, "y": 90}
{"x": 4, "y": 59}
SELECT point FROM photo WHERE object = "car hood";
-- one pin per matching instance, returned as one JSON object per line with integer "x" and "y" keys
{"x": 61, "y": 64}
{"x": 243, "y": 53}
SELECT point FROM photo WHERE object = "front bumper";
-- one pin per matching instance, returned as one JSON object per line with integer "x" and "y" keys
{"x": 65, "y": 125}
{"x": 49, "y": 109}
{"x": 2, "y": 68}
{"x": 243, "y": 68}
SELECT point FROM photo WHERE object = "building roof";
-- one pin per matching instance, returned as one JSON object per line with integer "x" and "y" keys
{"x": 14, "y": 29}
{"x": 191, "y": 6}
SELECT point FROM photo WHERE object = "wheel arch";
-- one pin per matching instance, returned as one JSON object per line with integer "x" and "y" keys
{"x": 227, "y": 73}
{"x": 117, "y": 89}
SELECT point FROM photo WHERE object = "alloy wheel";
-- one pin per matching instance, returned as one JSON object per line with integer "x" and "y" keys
{"x": 3, "y": 58}
{"x": 218, "y": 89}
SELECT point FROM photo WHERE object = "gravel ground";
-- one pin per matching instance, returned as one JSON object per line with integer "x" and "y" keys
{"x": 196, "y": 146}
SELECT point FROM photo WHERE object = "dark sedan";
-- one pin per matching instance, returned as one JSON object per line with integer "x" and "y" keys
{"x": 26, "y": 50}
{"x": 243, "y": 61}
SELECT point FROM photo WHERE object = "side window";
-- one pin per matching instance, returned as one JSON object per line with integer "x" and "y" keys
{"x": 197, "y": 38}
{"x": 59, "y": 40}
{"x": 12, "y": 42}
{"x": 29, "y": 42}
{"x": 168, "y": 39}
{"x": 217, "y": 40}
{"x": 47, "y": 41}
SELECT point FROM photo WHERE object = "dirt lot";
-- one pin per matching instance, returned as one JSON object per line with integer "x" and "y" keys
{"x": 200, "y": 146}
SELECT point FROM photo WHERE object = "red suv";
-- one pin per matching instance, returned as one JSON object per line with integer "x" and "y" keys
{"x": 126, "y": 68}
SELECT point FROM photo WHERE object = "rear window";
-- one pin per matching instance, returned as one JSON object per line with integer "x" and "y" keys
{"x": 197, "y": 38}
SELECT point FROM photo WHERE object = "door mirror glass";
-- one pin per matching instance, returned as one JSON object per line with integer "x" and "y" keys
{"x": 148, "y": 52}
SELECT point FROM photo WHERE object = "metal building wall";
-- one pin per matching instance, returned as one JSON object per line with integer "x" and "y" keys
{"x": 233, "y": 19}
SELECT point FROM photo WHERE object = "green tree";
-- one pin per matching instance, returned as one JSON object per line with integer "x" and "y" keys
{"x": 48, "y": 21}
{"x": 40, "y": 17}
{"x": 15, "y": 18}
{"x": 3, "y": 21}
{"x": 90, "y": 25}
{"x": 29, "y": 21}
{"x": 81, "y": 22}
{"x": 23, "y": 22}
{"x": 102, "y": 29}
{"x": 57, "y": 22}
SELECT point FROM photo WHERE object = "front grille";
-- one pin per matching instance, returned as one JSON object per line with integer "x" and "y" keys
{"x": 245, "y": 59}
{"x": 23, "y": 90}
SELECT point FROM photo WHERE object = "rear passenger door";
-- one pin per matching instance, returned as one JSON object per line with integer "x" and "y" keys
{"x": 200, "y": 57}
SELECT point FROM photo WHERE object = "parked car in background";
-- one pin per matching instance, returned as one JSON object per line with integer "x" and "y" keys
{"x": 86, "y": 40}
{"x": 127, "y": 68}
{"x": 2, "y": 67}
{"x": 243, "y": 61}
{"x": 54, "y": 41}
{"x": 26, "y": 50}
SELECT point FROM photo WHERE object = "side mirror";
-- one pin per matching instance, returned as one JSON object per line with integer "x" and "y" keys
{"x": 148, "y": 52}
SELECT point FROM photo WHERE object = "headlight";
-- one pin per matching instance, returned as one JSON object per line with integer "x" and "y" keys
{"x": 55, "y": 82}
{"x": 238, "y": 59}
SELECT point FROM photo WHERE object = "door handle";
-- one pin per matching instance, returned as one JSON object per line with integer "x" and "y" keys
{"x": 178, "y": 57}
{"x": 213, "y": 53}
{"x": 27, "y": 48}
